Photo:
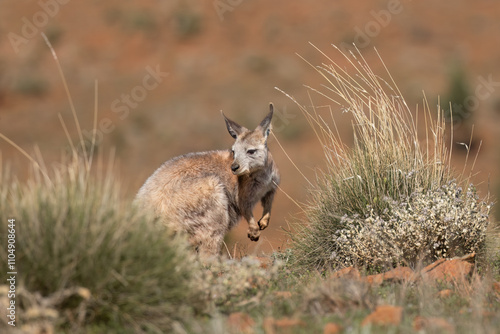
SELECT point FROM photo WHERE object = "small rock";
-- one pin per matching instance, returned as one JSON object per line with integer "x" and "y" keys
{"x": 332, "y": 328}
{"x": 432, "y": 324}
{"x": 399, "y": 274}
{"x": 283, "y": 325}
{"x": 346, "y": 273}
{"x": 433, "y": 265}
{"x": 288, "y": 322}
{"x": 469, "y": 257}
{"x": 374, "y": 279}
{"x": 445, "y": 293}
{"x": 240, "y": 322}
{"x": 384, "y": 315}
{"x": 449, "y": 271}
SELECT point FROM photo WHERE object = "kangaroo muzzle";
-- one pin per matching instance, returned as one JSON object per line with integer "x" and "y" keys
{"x": 235, "y": 167}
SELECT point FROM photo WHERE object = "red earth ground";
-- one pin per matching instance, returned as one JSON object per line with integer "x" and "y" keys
{"x": 230, "y": 56}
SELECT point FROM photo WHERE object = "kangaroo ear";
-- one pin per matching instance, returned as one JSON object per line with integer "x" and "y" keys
{"x": 265, "y": 125}
{"x": 234, "y": 128}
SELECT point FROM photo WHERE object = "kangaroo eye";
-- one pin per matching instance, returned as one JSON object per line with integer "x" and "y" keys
{"x": 251, "y": 151}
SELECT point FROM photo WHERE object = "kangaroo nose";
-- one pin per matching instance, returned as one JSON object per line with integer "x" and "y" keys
{"x": 235, "y": 167}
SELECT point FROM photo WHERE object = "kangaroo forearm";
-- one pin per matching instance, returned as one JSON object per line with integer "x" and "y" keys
{"x": 267, "y": 202}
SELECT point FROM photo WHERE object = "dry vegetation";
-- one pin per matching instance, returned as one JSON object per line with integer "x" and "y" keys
{"x": 389, "y": 199}
{"x": 89, "y": 263}
{"x": 86, "y": 257}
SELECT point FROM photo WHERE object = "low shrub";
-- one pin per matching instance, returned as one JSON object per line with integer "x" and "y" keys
{"x": 387, "y": 199}
{"x": 440, "y": 223}
{"x": 73, "y": 231}
{"x": 228, "y": 284}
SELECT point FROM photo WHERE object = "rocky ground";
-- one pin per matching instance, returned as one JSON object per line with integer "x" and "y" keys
{"x": 230, "y": 58}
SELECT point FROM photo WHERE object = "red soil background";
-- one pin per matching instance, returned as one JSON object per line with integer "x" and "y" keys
{"x": 229, "y": 55}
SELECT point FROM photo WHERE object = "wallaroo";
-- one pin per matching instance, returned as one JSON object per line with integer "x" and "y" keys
{"x": 205, "y": 194}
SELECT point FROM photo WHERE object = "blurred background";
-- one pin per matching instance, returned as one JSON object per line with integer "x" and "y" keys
{"x": 165, "y": 70}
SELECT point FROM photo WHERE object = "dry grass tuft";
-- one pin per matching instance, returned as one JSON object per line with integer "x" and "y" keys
{"x": 375, "y": 204}
{"x": 74, "y": 231}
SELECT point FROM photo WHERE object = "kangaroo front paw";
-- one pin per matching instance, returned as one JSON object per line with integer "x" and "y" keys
{"x": 263, "y": 222}
{"x": 253, "y": 235}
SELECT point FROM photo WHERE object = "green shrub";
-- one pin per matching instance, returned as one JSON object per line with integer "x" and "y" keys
{"x": 187, "y": 22}
{"x": 373, "y": 196}
{"x": 73, "y": 231}
{"x": 142, "y": 20}
{"x": 458, "y": 94}
{"x": 33, "y": 85}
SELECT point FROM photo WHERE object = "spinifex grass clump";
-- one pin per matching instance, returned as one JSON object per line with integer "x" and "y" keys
{"x": 74, "y": 231}
{"x": 386, "y": 200}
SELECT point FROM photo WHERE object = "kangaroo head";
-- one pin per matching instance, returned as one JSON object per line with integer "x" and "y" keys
{"x": 250, "y": 148}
